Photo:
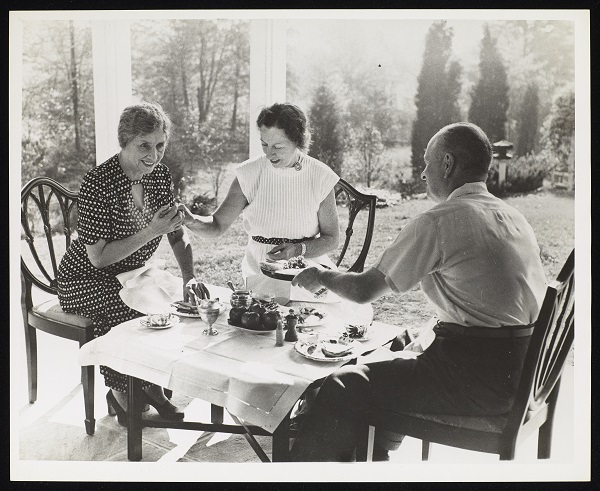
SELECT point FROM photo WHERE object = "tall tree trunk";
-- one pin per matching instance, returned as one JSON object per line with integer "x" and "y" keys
{"x": 186, "y": 100}
{"x": 236, "y": 96}
{"x": 74, "y": 89}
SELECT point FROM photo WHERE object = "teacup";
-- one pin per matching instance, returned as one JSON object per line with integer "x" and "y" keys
{"x": 159, "y": 319}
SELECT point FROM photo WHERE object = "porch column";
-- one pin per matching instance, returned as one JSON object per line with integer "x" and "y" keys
{"x": 111, "y": 45}
{"x": 267, "y": 70}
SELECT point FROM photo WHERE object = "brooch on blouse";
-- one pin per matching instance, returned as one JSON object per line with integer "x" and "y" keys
{"x": 298, "y": 165}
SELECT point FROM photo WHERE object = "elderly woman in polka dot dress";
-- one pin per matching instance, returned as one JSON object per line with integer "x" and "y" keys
{"x": 125, "y": 205}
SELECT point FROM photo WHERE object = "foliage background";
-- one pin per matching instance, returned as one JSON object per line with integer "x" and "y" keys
{"x": 372, "y": 87}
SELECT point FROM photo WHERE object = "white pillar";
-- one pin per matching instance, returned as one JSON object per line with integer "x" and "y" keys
{"x": 111, "y": 45}
{"x": 267, "y": 70}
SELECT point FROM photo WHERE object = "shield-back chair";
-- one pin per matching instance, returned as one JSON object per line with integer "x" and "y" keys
{"x": 48, "y": 221}
{"x": 535, "y": 401}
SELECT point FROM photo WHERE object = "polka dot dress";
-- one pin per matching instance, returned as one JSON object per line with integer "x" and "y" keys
{"x": 107, "y": 211}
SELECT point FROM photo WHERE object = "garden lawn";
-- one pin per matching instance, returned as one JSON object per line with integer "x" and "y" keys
{"x": 550, "y": 214}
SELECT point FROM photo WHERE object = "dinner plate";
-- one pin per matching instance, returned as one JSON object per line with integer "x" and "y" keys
{"x": 193, "y": 315}
{"x": 173, "y": 319}
{"x": 302, "y": 347}
{"x": 253, "y": 331}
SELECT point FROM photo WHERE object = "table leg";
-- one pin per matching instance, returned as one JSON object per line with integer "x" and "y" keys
{"x": 216, "y": 414}
{"x": 134, "y": 418}
{"x": 281, "y": 441}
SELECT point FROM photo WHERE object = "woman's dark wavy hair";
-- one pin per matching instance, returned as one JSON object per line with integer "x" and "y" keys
{"x": 142, "y": 119}
{"x": 289, "y": 118}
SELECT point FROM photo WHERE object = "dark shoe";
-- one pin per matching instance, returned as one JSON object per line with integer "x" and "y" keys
{"x": 167, "y": 410}
{"x": 115, "y": 408}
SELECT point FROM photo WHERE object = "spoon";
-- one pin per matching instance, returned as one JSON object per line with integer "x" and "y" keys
{"x": 231, "y": 285}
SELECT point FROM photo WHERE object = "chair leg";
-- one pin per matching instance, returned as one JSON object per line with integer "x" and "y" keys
{"x": 31, "y": 351}
{"x": 424, "y": 450}
{"x": 545, "y": 431}
{"x": 87, "y": 381}
{"x": 216, "y": 414}
{"x": 364, "y": 444}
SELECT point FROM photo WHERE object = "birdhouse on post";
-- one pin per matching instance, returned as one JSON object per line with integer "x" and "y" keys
{"x": 501, "y": 154}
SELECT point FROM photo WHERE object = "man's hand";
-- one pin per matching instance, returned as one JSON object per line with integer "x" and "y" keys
{"x": 309, "y": 279}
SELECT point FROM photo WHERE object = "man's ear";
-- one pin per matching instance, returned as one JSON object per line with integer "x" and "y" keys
{"x": 449, "y": 164}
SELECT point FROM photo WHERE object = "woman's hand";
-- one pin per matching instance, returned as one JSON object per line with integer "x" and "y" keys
{"x": 188, "y": 216}
{"x": 284, "y": 251}
{"x": 193, "y": 290}
{"x": 167, "y": 219}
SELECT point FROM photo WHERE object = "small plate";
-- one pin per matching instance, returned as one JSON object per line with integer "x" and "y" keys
{"x": 173, "y": 319}
{"x": 302, "y": 346}
{"x": 311, "y": 321}
{"x": 253, "y": 331}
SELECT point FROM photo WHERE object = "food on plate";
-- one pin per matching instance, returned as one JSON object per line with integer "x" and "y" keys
{"x": 258, "y": 308}
{"x": 356, "y": 331}
{"x": 251, "y": 320}
{"x": 235, "y": 315}
{"x": 270, "y": 319}
{"x": 309, "y": 315}
{"x": 186, "y": 307}
{"x": 258, "y": 316}
{"x": 332, "y": 348}
{"x": 297, "y": 262}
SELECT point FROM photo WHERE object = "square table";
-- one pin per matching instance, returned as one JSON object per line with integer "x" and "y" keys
{"x": 244, "y": 372}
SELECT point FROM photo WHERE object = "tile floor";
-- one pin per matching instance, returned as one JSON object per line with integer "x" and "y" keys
{"x": 52, "y": 429}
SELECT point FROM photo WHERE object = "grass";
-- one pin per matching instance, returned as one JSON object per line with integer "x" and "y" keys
{"x": 550, "y": 214}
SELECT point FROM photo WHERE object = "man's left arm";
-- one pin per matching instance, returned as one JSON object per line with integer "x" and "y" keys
{"x": 357, "y": 287}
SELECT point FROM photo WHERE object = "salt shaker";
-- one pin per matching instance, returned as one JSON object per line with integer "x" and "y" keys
{"x": 279, "y": 333}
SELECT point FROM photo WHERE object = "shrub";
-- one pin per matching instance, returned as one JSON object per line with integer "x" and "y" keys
{"x": 525, "y": 174}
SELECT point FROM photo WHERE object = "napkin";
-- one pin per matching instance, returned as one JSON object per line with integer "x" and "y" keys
{"x": 149, "y": 290}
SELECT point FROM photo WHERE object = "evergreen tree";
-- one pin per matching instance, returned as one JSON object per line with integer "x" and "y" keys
{"x": 527, "y": 129}
{"x": 437, "y": 93}
{"x": 324, "y": 118}
{"x": 489, "y": 101}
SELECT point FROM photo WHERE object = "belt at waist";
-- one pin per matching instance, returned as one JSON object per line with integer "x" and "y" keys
{"x": 488, "y": 332}
{"x": 277, "y": 240}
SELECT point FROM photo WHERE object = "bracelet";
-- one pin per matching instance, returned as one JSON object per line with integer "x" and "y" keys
{"x": 303, "y": 245}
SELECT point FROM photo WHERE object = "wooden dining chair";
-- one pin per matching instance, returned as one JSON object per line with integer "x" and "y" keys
{"x": 535, "y": 401}
{"x": 355, "y": 201}
{"x": 48, "y": 221}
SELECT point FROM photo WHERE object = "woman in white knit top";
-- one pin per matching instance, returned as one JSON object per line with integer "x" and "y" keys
{"x": 287, "y": 200}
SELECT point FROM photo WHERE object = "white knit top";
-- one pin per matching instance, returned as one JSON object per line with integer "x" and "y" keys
{"x": 282, "y": 203}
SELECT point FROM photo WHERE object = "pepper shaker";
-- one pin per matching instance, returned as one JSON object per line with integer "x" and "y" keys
{"x": 291, "y": 320}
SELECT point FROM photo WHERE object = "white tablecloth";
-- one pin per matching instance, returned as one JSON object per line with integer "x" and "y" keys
{"x": 241, "y": 371}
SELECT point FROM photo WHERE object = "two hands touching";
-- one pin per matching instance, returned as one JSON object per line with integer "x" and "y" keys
{"x": 166, "y": 220}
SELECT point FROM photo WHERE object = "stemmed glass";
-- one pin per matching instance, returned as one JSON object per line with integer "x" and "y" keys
{"x": 209, "y": 311}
